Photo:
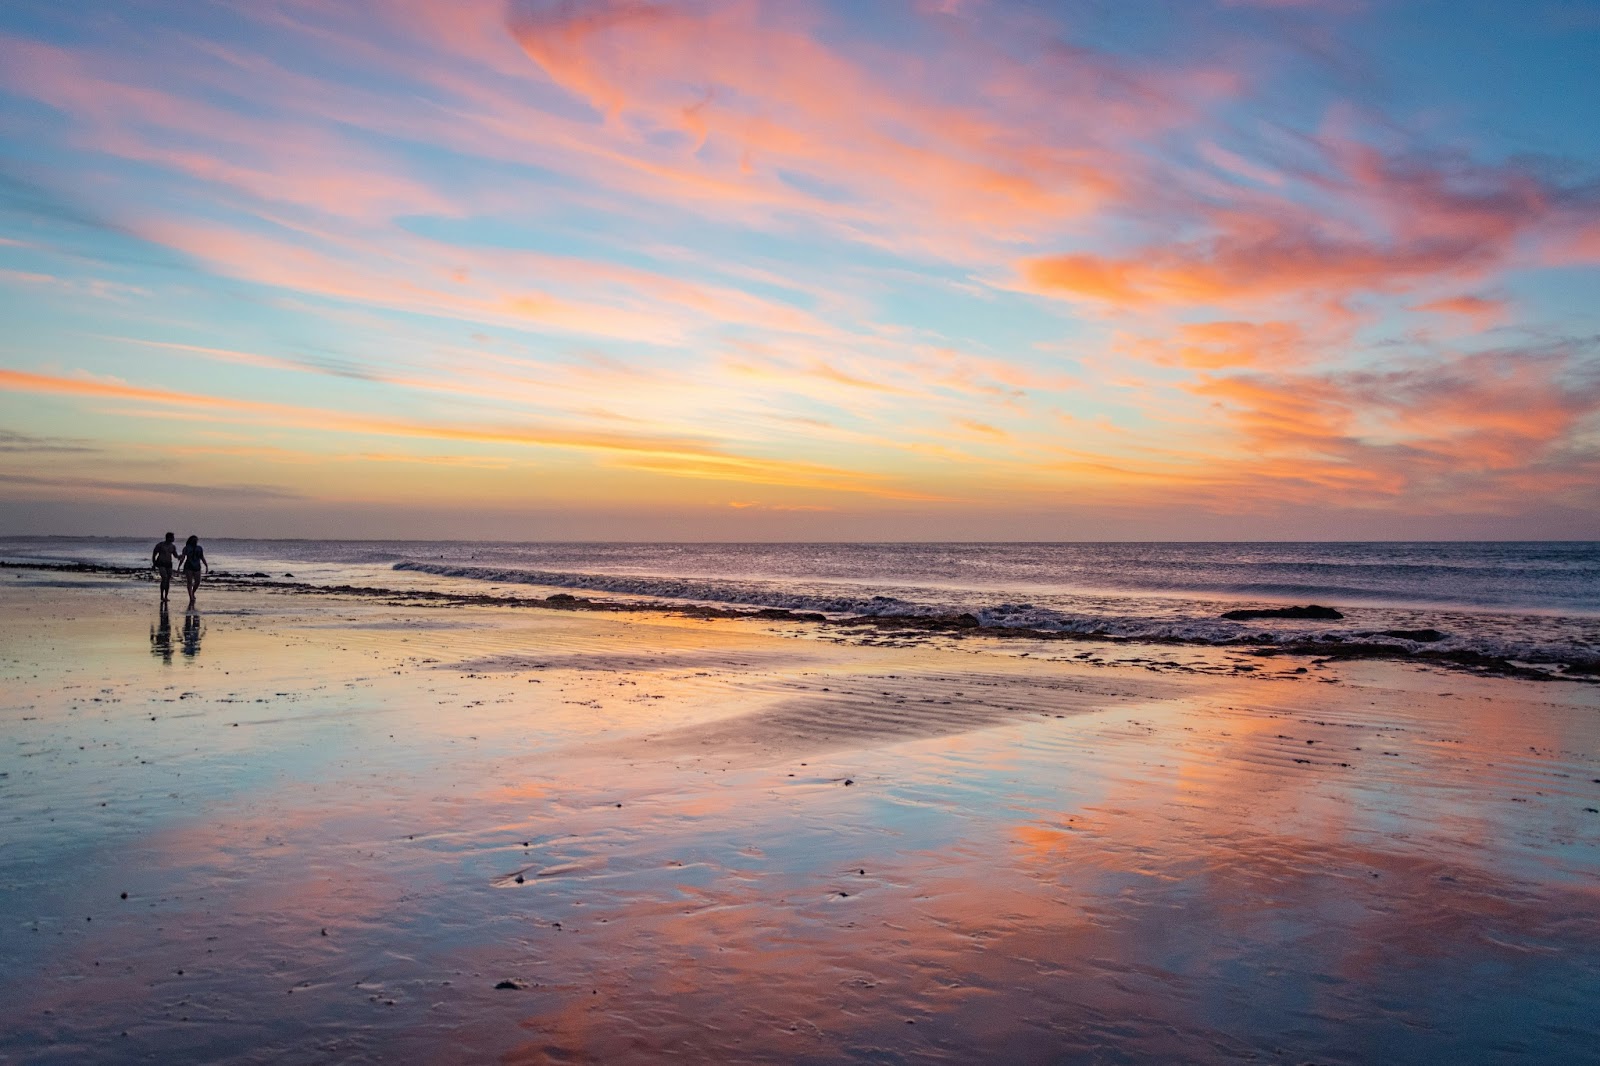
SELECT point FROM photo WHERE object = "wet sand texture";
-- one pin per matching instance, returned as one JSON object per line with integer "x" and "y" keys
{"x": 338, "y": 830}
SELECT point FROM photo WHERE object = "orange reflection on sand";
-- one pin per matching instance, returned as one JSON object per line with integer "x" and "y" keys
{"x": 1079, "y": 859}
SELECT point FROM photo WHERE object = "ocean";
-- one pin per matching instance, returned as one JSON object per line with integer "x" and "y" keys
{"x": 1531, "y": 602}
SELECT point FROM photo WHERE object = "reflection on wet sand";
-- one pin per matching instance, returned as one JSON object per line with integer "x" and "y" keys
{"x": 646, "y": 830}
{"x": 161, "y": 637}
{"x": 193, "y": 630}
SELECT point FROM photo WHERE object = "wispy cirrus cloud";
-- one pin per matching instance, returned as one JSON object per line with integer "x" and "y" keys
{"x": 682, "y": 457}
{"x": 31, "y": 444}
{"x": 70, "y": 486}
{"x": 753, "y": 99}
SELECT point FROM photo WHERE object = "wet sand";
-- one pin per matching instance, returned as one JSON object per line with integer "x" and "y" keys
{"x": 341, "y": 824}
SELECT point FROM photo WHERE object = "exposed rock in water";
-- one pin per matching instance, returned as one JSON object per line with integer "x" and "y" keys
{"x": 782, "y": 615}
{"x": 1312, "y": 611}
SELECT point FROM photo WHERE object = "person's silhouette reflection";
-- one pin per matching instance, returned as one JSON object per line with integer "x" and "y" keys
{"x": 161, "y": 636}
{"x": 192, "y": 631}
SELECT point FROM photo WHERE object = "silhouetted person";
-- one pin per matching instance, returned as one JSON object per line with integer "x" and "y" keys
{"x": 193, "y": 558}
{"x": 161, "y": 636}
{"x": 192, "y": 630}
{"x": 161, "y": 557}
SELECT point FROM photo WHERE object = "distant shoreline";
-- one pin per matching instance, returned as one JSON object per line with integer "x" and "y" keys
{"x": 782, "y": 543}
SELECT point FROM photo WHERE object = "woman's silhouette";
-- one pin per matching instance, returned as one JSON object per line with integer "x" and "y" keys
{"x": 194, "y": 557}
{"x": 192, "y": 632}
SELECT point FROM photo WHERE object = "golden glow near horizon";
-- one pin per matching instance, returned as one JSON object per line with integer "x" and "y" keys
{"x": 799, "y": 270}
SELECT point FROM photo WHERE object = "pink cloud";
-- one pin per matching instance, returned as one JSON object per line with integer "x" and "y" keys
{"x": 1480, "y": 311}
{"x": 1478, "y": 428}
{"x": 1578, "y": 242}
{"x": 1253, "y": 259}
{"x": 1364, "y": 224}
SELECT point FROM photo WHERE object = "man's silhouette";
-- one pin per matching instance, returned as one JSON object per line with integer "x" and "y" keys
{"x": 162, "y": 557}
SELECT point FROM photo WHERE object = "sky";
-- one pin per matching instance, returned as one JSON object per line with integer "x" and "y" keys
{"x": 863, "y": 270}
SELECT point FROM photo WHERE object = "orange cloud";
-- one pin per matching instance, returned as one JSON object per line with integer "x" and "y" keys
{"x": 750, "y": 505}
{"x": 1498, "y": 410}
{"x": 1304, "y": 413}
{"x": 1223, "y": 344}
{"x": 982, "y": 430}
{"x": 1481, "y": 312}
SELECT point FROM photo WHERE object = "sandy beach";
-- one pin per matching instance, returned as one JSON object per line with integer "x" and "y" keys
{"x": 311, "y": 829}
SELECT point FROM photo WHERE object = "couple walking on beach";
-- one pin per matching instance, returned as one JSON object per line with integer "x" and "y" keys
{"x": 165, "y": 556}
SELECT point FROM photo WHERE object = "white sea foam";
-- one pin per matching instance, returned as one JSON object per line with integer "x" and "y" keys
{"x": 1534, "y": 638}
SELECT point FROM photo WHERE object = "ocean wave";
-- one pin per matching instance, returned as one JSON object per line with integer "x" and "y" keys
{"x": 698, "y": 590}
{"x": 1536, "y": 640}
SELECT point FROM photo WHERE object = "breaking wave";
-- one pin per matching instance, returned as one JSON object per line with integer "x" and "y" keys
{"x": 1532, "y": 639}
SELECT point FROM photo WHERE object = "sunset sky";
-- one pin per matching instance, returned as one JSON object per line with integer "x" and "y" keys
{"x": 971, "y": 269}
